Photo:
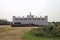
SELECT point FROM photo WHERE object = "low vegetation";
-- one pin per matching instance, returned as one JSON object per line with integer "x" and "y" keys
{"x": 29, "y": 36}
{"x": 51, "y": 32}
{"x": 12, "y": 33}
{"x": 4, "y": 29}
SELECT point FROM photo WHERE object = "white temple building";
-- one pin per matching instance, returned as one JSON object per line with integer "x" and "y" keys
{"x": 30, "y": 19}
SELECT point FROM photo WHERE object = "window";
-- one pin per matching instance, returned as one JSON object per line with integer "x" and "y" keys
{"x": 42, "y": 18}
{"x": 16, "y": 19}
{"x": 25, "y": 19}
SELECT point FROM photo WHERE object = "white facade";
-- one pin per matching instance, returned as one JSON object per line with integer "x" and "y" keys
{"x": 30, "y": 19}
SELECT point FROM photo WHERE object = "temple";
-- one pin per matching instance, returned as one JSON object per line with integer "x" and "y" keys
{"x": 30, "y": 20}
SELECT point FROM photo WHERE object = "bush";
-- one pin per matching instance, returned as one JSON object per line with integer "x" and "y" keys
{"x": 52, "y": 31}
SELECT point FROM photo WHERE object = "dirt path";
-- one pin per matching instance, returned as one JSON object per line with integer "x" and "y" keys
{"x": 15, "y": 34}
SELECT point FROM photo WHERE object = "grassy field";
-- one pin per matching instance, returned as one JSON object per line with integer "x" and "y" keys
{"x": 12, "y": 33}
{"x": 29, "y": 36}
{"x": 19, "y": 33}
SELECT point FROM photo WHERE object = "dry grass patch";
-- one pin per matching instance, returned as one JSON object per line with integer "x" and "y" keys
{"x": 13, "y": 33}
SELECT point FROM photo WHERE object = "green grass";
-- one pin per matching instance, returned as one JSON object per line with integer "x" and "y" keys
{"x": 29, "y": 36}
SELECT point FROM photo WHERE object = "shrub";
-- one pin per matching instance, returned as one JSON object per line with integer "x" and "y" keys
{"x": 52, "y": 31}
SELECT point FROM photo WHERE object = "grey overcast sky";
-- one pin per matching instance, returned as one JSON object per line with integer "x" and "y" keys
{"x": 9, "y": 8}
